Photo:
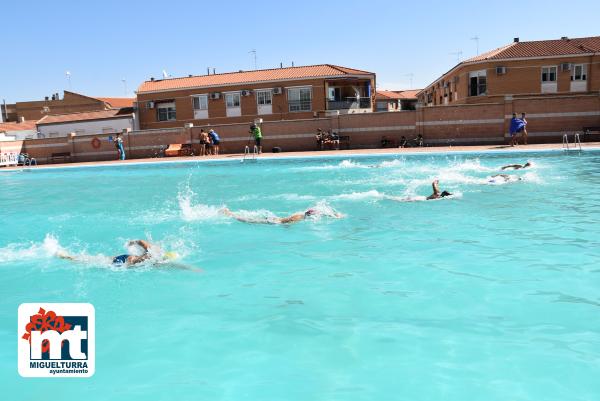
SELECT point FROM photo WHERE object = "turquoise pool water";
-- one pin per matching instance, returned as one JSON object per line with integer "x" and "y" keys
{"x": 489, "y": 295}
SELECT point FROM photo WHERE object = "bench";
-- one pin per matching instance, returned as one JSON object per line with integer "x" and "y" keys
{"x": 589, "y": 131}
{"x": 64, "y": 156}
{"x": 178, "y": 149}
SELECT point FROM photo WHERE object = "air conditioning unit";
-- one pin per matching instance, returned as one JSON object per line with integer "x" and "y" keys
{"x": 215, "y": 95}
{"x": 246, "y": 93}
{"x": 149, "y": 105}
{"x": 277, "y": 91}
{"x": 500, "y": 70}
{"x": 566, "y": 66}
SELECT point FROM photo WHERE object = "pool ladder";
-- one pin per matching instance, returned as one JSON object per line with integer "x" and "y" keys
{"x": 250, "y": 156}
{"x": 576, "y": 142}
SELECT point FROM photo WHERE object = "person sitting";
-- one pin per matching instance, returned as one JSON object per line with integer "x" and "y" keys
{"x": 436, "y": 191}
{"x": 419, "y": 141}
{"x": 294, "y": 218}
{"x": 320, "y": 137}
{"x": 385, "y": 142}
{"x": 332, "y": 139}
{"x": 403, "y": 142}
{"x": 516, "y": 166}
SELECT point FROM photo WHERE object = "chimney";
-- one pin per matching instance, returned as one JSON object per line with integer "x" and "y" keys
{"x": 214, "y": 71}
{"x": 280, "y": 65}
{"x": 190, "y": 75}
{"x": 292, "y": 63}
{"x": 46, "y": 98}
{"x": 564, "y": 38}
{"x": 207, "y": 70}
{"x": 516, "y": 40}
{"x": 151, "y": 78}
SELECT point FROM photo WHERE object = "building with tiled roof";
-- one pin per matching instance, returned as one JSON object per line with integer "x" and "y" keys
{"x": 70, "y": 102}
{"x": 272, "y": 94}
{"x": 521, "y": 68}
{"x": 386, "y": 100}
{"x": 85, "y": 123}
{"x": 19, "y": 130}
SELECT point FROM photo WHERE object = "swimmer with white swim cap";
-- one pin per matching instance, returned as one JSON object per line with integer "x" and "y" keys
{"x": 504, "y": 178}
{"x": 294, "y": 218}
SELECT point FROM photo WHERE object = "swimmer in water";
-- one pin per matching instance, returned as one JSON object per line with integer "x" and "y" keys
{"x": 516, "y": 166}
{"x": 294, "y": 218}
{"x": 504, "y": 178}
{"x": 129, "y": 261}
{"x": 436, "y": 191}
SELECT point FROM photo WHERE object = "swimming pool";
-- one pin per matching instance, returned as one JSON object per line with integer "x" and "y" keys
{"x": 489, "y": 294}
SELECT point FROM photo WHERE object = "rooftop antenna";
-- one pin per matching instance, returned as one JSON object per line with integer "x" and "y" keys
{"x": 476, "y": 39}
{"x": 457, "y": 54}
{"x": 165, "y": 75}
{"x": 124, "y": 86}
{"x": 68, "y": 74}
{"x": 410, "y": 75}
{"x": 253, "y": 51}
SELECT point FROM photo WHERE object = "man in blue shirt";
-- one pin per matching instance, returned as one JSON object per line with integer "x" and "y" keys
{"x": 214, "y": 138}
{"x": 516, "y": 125}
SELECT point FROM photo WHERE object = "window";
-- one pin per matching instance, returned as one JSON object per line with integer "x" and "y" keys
{"x": 264, "y": 97}
{"x": 299, "y": 99}
{"x": 579, "y": 73}
{"x": 166, "y": 112}
{"x": 478, "y": 83}
{"x": 232, "y": 100}
{"x": 200, "y": 102}
{"x": 549, "y": 74}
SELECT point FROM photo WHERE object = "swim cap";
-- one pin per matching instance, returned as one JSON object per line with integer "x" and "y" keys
{"x": 310, "y": 212}
{"x": 170, "y": 255}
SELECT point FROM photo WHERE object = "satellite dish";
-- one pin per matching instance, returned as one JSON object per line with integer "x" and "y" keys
{"x": 165, "y": 75}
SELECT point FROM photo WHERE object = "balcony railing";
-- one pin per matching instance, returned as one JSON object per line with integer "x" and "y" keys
{"x": 299, "y": 105}
{"x": 352, "y": 103}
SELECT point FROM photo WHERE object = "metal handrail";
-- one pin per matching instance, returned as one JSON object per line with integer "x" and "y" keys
{"x": 577, "y": 140}
{"x": 565, "y": 142}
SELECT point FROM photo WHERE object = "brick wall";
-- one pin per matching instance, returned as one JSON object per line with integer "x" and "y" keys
{"x": 548, "y": 118}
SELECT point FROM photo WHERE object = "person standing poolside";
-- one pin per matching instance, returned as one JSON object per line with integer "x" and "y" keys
{"x": 257, "y": 134}
{"x": 403, "y": 142}
{"x": 524, "y": 132}
{"x": 436, "y": 191}
{"x": 214, "y": 138}
{"x": 119, "y": 146}
{"x": 204, "y": 142}
{"x": 516, "y": 126}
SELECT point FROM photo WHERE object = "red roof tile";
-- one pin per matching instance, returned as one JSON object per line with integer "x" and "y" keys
{"x": 12, "y": 126}
{"x": 542, "y": 48}
{"x": 83, "y": 116}
{"x": 118, "y": 102}
{"x": 406, "y": 94}
{"x": 231, "y": 78}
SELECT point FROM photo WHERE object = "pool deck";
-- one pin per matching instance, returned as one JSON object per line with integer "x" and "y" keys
{"x": 350, "y": 152}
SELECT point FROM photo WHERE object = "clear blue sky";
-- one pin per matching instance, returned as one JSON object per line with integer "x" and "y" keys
{"x": 103, "y": 42}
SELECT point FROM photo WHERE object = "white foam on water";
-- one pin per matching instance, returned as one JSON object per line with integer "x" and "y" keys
{"x": 30, "y": 250}
{"x": 195, "y": 212}
{"x": 344, "y": 164}
{"x": 372, "y": 194}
